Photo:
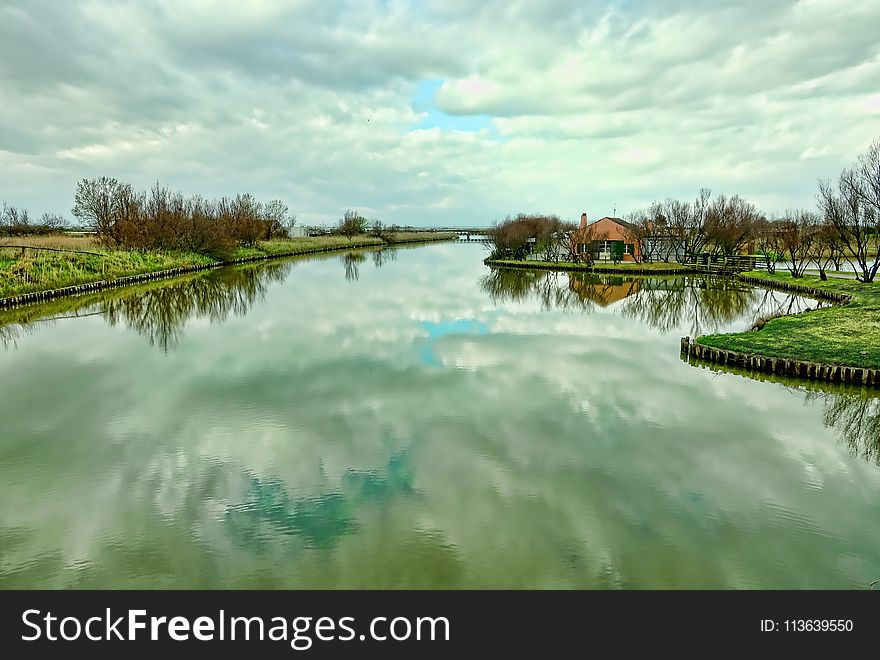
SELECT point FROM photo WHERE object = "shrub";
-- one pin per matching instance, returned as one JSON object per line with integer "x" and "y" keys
{"x": 162, "y": 219}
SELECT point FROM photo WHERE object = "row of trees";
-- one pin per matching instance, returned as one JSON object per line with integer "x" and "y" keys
{"x": 353, "y": 224}
{"x": 167, "y": 220}
{"x": 164, "y": 219}
{"x": 844, "y": 229}
{"x": 668, "y": 230}
{"x": 16, "y": 221}
{"x": 721, "y": 226}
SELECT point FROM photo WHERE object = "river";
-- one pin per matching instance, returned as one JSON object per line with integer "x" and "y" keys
{"x": 410, "y": 418}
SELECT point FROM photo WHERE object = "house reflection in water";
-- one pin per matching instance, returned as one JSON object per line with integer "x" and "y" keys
{"x": 691, "y": 304}
{"x": 603, "y": 290}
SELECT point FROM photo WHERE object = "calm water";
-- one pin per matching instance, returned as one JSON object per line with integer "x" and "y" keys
{"x": 410, "y": 418}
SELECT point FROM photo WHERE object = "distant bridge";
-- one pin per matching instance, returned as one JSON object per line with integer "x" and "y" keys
{"x": 475, "y": 234}
{"x": 460, "y": 230}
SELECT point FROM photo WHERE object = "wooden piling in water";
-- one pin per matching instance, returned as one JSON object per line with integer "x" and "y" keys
{"x": 793, "y": 367}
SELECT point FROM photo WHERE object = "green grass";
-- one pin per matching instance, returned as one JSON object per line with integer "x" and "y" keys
{"x": 26, "y": 271}
{"x": 847, "y": 334}
{"x": 39, "y": 270}
{"x": 415, "y": 236}
{"x": 298, "y": 245}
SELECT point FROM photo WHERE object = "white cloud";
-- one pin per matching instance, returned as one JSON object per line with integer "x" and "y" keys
{"x": 590, "y": 104}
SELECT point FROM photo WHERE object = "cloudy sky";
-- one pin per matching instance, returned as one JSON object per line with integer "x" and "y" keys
{"x": 432, "y": 112}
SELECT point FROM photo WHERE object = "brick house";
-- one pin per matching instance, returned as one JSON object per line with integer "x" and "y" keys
{"x": 610, "y": 239}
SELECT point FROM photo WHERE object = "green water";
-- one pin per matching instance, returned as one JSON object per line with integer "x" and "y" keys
{"x": 410, "y": 418}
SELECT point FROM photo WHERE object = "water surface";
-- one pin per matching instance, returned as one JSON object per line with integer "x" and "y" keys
{"x": 411, "y": 418}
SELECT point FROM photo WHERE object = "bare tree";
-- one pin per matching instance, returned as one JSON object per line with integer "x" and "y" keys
{"x": 767, "y": 243}
{"x": 380, "y": 230}
{"x": 579, "y": 245}
{"x": 797, "y": 235}
{"x": 556, "y": 243}
{"x": 829, "y": 249}
{"x": 852, "y": 208}
{"x": 645, "y": 233}
{"x": 516, "y": 237}
{"x": 14, "y": 220}
{"x": 663, "y": 237}
{"x": 730, "y": 224}
{"x": 688, "y": 223}
{"x": 277, "y": 219}
{"x": 52, "y": 221}
{"x": 96, "y": 202}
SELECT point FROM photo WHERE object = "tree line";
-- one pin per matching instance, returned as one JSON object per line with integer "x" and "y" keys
{"x": 844, "y": 228}
{"x": 353, "y": 224}
{"x": 15, "y": 221}
{"x": 163, "y": 219}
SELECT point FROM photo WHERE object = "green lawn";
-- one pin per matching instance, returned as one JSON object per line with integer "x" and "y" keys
{"x": 302, "y": 245}
{"x": 39, "y": 270}
{"x": 847, "y": 334}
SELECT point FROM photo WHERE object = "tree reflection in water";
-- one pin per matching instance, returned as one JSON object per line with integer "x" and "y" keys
{"x": 383, "y": 256}
{"x": 352, "y": 262}
{"x": 161, "y": 310}
{"x": 161, "y": 314}
{"x": 158, "y": 311}
{"x": 855, "y": 416}
{"x": 9, "y": 335}
{"x": 695, "y": 303}
{"x": 852, "y": 413}
{"x": 698, "y": 304}
{"x": 550, "y": 287}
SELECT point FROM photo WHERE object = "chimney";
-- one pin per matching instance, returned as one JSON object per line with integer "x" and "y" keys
{"x": 583, "y": 220}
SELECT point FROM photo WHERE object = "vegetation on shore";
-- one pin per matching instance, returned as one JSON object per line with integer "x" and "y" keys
{"x": 133, "y": 232}
{"x": 842, "y": 231}
{"x": 623, "y": 268}
{"x": 847, "y": 335}
{"x": 40, "y": 263}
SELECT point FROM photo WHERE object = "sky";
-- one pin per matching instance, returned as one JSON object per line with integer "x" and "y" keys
{"x": 437, "y": 112}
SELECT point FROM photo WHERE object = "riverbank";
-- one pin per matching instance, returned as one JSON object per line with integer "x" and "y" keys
{"x": 837, "y": 343}
{"x": 64, "y": 266}
{"x": 652, "y": 268}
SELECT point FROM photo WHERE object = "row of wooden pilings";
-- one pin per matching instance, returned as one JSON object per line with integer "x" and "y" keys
{"x": 834, "y": 373}
{"x": 784, "y": 366}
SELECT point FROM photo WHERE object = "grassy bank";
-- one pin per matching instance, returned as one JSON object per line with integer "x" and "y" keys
{"x": 64, "y": 261}
{"x": 652, "y": 268}
{"x": 847, "y": 334}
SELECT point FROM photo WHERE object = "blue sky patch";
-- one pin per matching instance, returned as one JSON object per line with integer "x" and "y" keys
{"x": 443, "y": 328}
{"x": 423, "y": 101}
